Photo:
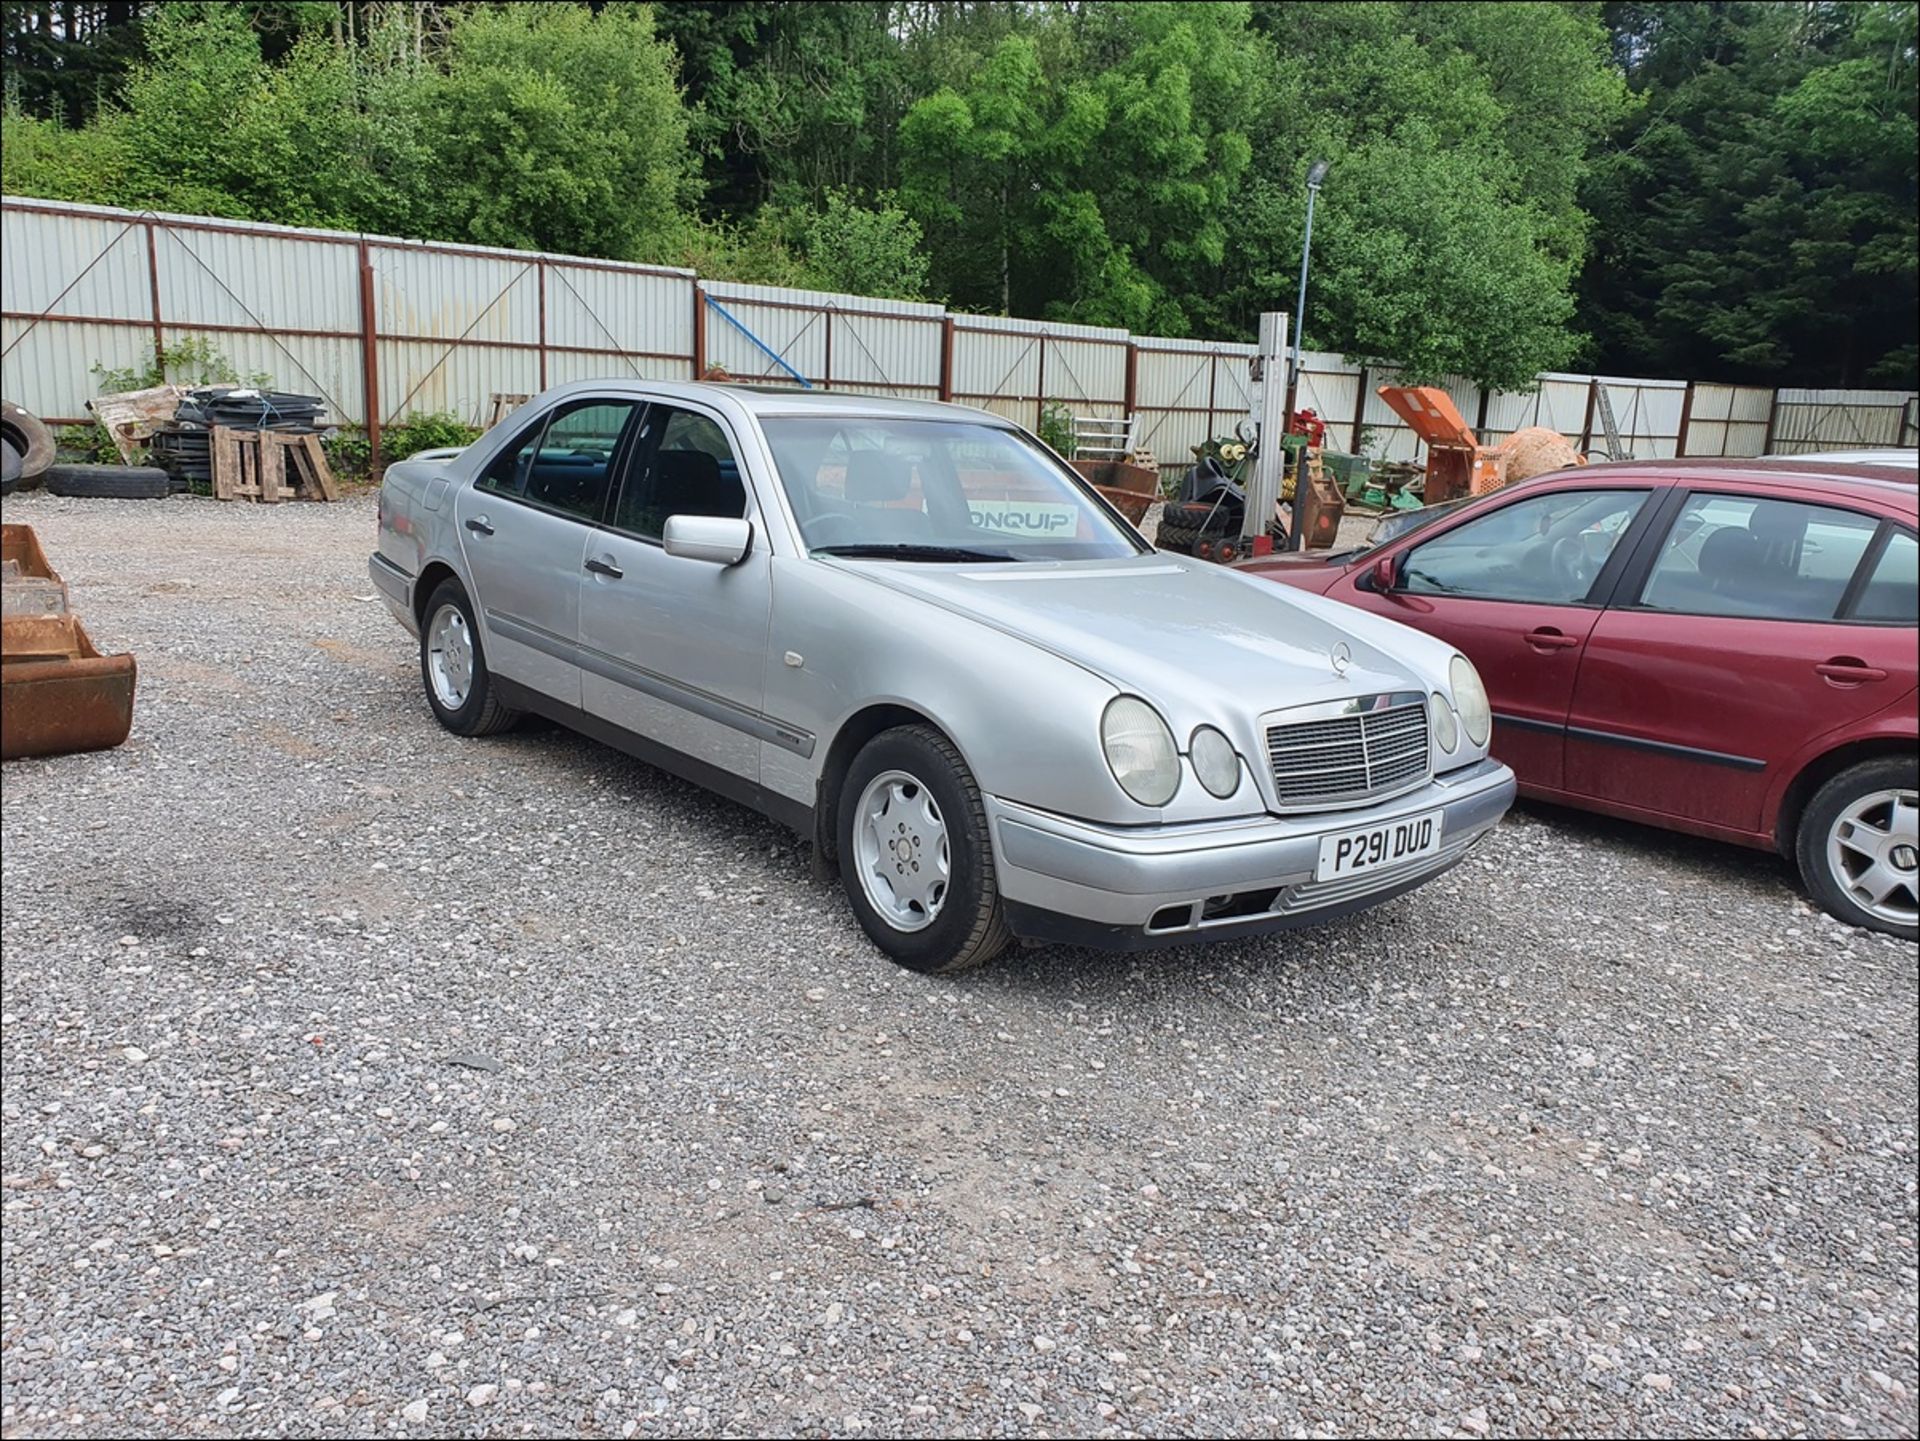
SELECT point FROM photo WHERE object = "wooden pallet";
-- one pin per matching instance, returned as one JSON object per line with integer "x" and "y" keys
{"x": 269, "y": 466}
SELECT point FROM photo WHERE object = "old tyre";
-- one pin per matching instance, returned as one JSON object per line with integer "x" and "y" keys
{"x": 10, "y": 476}
{"x": 1203, "y": 517}
{"x": 914, "y": 855}
{"x": 1175, "y": 538}
{"x": 1859, "y": 846}
{"x": 30, "y": 438}
{"x": 453, "y": 667}
{"x": 109, "y": 482}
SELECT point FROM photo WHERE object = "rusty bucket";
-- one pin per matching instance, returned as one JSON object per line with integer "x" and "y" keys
{"x": 57, "y": 692}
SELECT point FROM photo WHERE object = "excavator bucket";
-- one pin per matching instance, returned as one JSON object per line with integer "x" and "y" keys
{"x": 57, "y": 692}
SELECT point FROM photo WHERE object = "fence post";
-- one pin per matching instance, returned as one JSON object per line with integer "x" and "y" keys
{"x": 1686, "y": 419}
{"x": 1129, "y": 386}
{"x": 1040, "y": 386}
{"x": 1480, "y": 419}
{"x": 826, "y": 381}
{"x": 946, "y": 357}
{"x": 542, "y": 271}
{"x": 699, "y": 331}
{"x": 369, "y": 359}
{"x": 153, "y": 280}
{"x": 1773, "y": 414}
{"x": 1360, "y": 411}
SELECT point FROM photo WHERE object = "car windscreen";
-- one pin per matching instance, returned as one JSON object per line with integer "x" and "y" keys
{"x": 908, "y": 489}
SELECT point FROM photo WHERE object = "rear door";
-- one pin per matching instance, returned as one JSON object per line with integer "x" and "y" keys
{"x": 1513, "y": 587}
{"x": 1753, "y": 628}
{"x": 523, "y": 527}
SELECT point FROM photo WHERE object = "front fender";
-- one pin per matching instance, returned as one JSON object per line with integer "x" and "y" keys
{"x": 1026, "y": 721}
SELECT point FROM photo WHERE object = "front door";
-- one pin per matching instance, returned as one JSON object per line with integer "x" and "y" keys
{"x": 1509, "y": 588}
{"x": 523, "y": 528}
{"x": 1747, "y": 639}
{"x": 671, "y": 648}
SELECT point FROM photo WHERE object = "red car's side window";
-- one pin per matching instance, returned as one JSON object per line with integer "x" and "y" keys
{"x": 1743, "y": 555}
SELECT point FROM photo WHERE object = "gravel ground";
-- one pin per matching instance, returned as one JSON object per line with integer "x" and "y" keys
{"x": 363, "y": 1080}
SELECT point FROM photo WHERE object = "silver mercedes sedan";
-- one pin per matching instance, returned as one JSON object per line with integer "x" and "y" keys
{"x": 914, "y": 634}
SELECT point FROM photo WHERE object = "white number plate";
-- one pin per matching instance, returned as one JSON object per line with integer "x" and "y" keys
{"x": 1346, "y": 853}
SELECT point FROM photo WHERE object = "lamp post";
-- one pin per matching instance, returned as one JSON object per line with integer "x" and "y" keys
{"x": 1316, "y": 175}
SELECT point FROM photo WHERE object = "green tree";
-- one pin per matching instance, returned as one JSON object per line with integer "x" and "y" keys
{"x": 1757, "y": 220}
{"x": 556, "y": 128}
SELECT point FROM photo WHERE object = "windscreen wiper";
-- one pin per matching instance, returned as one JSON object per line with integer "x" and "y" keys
{"x": 878, "y": 551}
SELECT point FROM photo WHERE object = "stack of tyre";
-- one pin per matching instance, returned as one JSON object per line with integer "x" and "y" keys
{"x": 27, "y": 461}
{"x": 1208, "y": 529}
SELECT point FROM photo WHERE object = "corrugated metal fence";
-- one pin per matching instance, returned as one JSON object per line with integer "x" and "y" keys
{"x": 423, "y": 326}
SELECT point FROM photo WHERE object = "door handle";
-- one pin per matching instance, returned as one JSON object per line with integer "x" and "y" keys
{"x": 1546, "y": 638}
{"x": 1845, "y": 670}
{"x": 478, "y": 525}
{"x": 605, "y": 567}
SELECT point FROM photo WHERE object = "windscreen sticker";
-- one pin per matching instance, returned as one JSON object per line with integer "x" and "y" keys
{"x": 1024, "y": 517}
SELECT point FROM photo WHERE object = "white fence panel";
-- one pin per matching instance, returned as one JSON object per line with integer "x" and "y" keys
{"x": 614, "y": 321}
{"x": 1811, "y": 420}
{"x": 1559, "y": 403}
{"x": 1728, "y": 420}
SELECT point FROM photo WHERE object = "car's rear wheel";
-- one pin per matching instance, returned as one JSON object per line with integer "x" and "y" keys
{"x": 453, "y": 667}
{"x": 1859, "y": 846}
{"x": 915, "y": 859}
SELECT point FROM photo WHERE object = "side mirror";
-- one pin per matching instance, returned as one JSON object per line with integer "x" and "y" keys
{"x": 718, "y": 539}
{"x": 1384, "y": 576}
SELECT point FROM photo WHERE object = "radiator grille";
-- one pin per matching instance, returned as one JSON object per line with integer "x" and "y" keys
{"x": 1349, "y": 758}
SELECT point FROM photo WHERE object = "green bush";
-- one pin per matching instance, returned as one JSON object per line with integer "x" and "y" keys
{"x": 188, "y": 360}
{"x": 351, "y": 454}
{"x": 1056, "y": 428}
{"x": 90, "y": 445}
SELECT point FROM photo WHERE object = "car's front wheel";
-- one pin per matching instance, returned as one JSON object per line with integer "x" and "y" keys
{"x": 453, "y": 667}
{"x": 915, "y": 859}
{"x": 1859, "y": 846}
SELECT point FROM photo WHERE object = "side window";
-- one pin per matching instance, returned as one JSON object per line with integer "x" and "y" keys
{"x": 687, "y": 468}
{"x": 564, "y": 464}
{"x": 508, "y": 472}
{"x": 1892, "y": 591}
{"x": 1741, "y": 555}
{"x": 1547, "y": 548}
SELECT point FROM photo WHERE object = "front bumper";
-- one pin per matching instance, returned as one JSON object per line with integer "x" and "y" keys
{"x": 1131, "y": 888}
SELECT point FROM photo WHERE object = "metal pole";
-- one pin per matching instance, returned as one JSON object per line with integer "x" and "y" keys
{"x": 1295, "y": 537}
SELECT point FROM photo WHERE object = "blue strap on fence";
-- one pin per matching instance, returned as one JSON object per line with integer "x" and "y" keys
{"x": 758, "y": 343}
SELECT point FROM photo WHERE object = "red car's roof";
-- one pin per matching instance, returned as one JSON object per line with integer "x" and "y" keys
{"x": 1860, "y": 481}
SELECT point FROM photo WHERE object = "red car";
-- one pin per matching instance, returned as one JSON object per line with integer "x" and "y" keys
{"x": 1726, "y": 648}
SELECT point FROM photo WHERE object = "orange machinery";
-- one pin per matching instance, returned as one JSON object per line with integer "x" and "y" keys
{"x": 1457, "y": 463}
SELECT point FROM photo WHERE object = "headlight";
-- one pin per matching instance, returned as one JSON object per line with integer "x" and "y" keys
{"x": 1446, "y": 730}
{"x": 1215, "y": 761}
{"x": 1140, "y": 750}
{"x": 1470, "y": 699}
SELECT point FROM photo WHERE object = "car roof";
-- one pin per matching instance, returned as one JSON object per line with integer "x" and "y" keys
{"x": 1861, "y": 481}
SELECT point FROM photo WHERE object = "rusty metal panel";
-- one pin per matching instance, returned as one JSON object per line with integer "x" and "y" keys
{"x": 216, "y": 277}
{"x": 48, "y": 367}
{"x": 434, "y": 375}
{"x": 1815, "y": 420}
{"x": 1729, "y": 420}
{"x": 97, "y": 257}
{"x": 566, "y": 366}
{"x": 1559, "y": 403}
{"x": 637, "y": 311}
{"x": 483, "y": 295}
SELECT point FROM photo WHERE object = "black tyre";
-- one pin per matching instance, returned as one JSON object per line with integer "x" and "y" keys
{"x": 1175, "y": 538}
{"x": 10, "y": 476}
{"x": 1201, "y": 517}
{"x": 1857, "y": 847}
{"x": 915, "y": 859}
{"x": 109, "y": 482}
{"x": 30, "y": 438}
{"x": 453, "y": 667}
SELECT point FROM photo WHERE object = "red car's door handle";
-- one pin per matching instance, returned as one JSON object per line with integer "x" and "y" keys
{"x": 1546, "y": 638}
{"x": 1845, "y": 670}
